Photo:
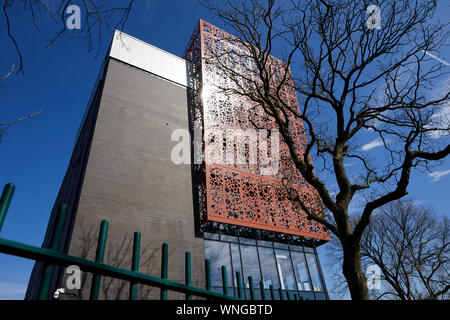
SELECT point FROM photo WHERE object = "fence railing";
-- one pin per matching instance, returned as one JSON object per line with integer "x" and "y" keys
{"x": 51, "y": 257}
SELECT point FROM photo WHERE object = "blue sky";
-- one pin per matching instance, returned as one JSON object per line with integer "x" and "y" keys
{"x": 35, "y": 154}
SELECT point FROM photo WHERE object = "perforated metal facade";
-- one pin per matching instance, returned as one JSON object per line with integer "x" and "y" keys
{"x": 249, "y": 193}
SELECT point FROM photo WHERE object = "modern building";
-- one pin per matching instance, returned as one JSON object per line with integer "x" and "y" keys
{"x": 128, "y": 167}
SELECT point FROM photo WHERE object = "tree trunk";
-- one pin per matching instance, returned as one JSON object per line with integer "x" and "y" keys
{"x": 353, "y": 273}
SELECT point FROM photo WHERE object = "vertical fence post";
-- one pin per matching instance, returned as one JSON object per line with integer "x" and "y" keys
{"x": 54, "y": 245}
{"x": 135, "y": 263}
{"x": 288, "y": 295}
{"x": 280, "y": 291}
{"x": 208, "y": 274}
{"x": 263, "y": 290}
{"x": 272, "y": 292}
{"x": 100, "y": 254}
{"x": 239, "y": 284}
{"x": 5, "y": 200}
{"x": 188, "y": 272}
{"x": 252, "y": 292}
{"x": 224, "y": 280}
{"x": 164, "y": 268}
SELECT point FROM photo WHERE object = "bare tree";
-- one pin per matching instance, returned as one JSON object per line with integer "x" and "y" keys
{"x": 118, "y": 254}
{"x": 4, "y": 126}
{"x": 351, "y": 79}
{"x": 95, "y": 17}
{"x": 411, "y": 247}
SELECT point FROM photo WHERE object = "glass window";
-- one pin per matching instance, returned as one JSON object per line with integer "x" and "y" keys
{"x": 284, "y": 267}
{"x": 321, "y": 296}
{"x": 280, "y": 245}
{"x": 268, "y": 268}
{"x": 295, "y": 248}
{"x": 236, "y": 260}
{"x": 250, "y": 265}
{"x": 212, "y": 236}
{"x": 247, "y": 241}
{"x": 307, "y": 295}
{"x": 270, "y": 262}
{"x": 218, "y": 254}
{"x": 264, "y": 243}
{"x": 224, "y": 237}
{"x": 301, "y": 271}
{"x": 315, "y": 277}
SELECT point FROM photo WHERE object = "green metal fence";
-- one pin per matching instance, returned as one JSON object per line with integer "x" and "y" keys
{"x": 52, "y": 257}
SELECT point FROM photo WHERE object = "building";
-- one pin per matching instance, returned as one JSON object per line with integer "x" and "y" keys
{"x": 123, "y": 169}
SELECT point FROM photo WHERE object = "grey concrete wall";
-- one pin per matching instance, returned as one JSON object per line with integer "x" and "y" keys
{"x": 69, "y": 192}
{"x": 131, "y": 181}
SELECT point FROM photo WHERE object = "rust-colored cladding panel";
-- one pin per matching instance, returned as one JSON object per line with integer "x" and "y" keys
{"x": 243, "y": 194}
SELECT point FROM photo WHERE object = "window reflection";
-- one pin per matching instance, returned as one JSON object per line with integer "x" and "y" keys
{"x": 250, "y": 265}
{"x": 312, "y": 264}
{"x": 268, "y": 268}
{"x": 218, "y": 254}
{"x": 301, "y": 271}
{"x": 236, "y": 261}
{"x": 284, "y": 267}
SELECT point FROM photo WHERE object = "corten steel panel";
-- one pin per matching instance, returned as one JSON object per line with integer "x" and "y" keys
{"x": 241, "y": 194}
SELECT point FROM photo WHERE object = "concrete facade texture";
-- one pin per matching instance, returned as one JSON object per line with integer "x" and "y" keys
{"x": 130, "y": 179}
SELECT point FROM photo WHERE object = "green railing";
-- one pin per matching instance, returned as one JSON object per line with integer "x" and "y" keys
{"x": 51, "y": 257}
